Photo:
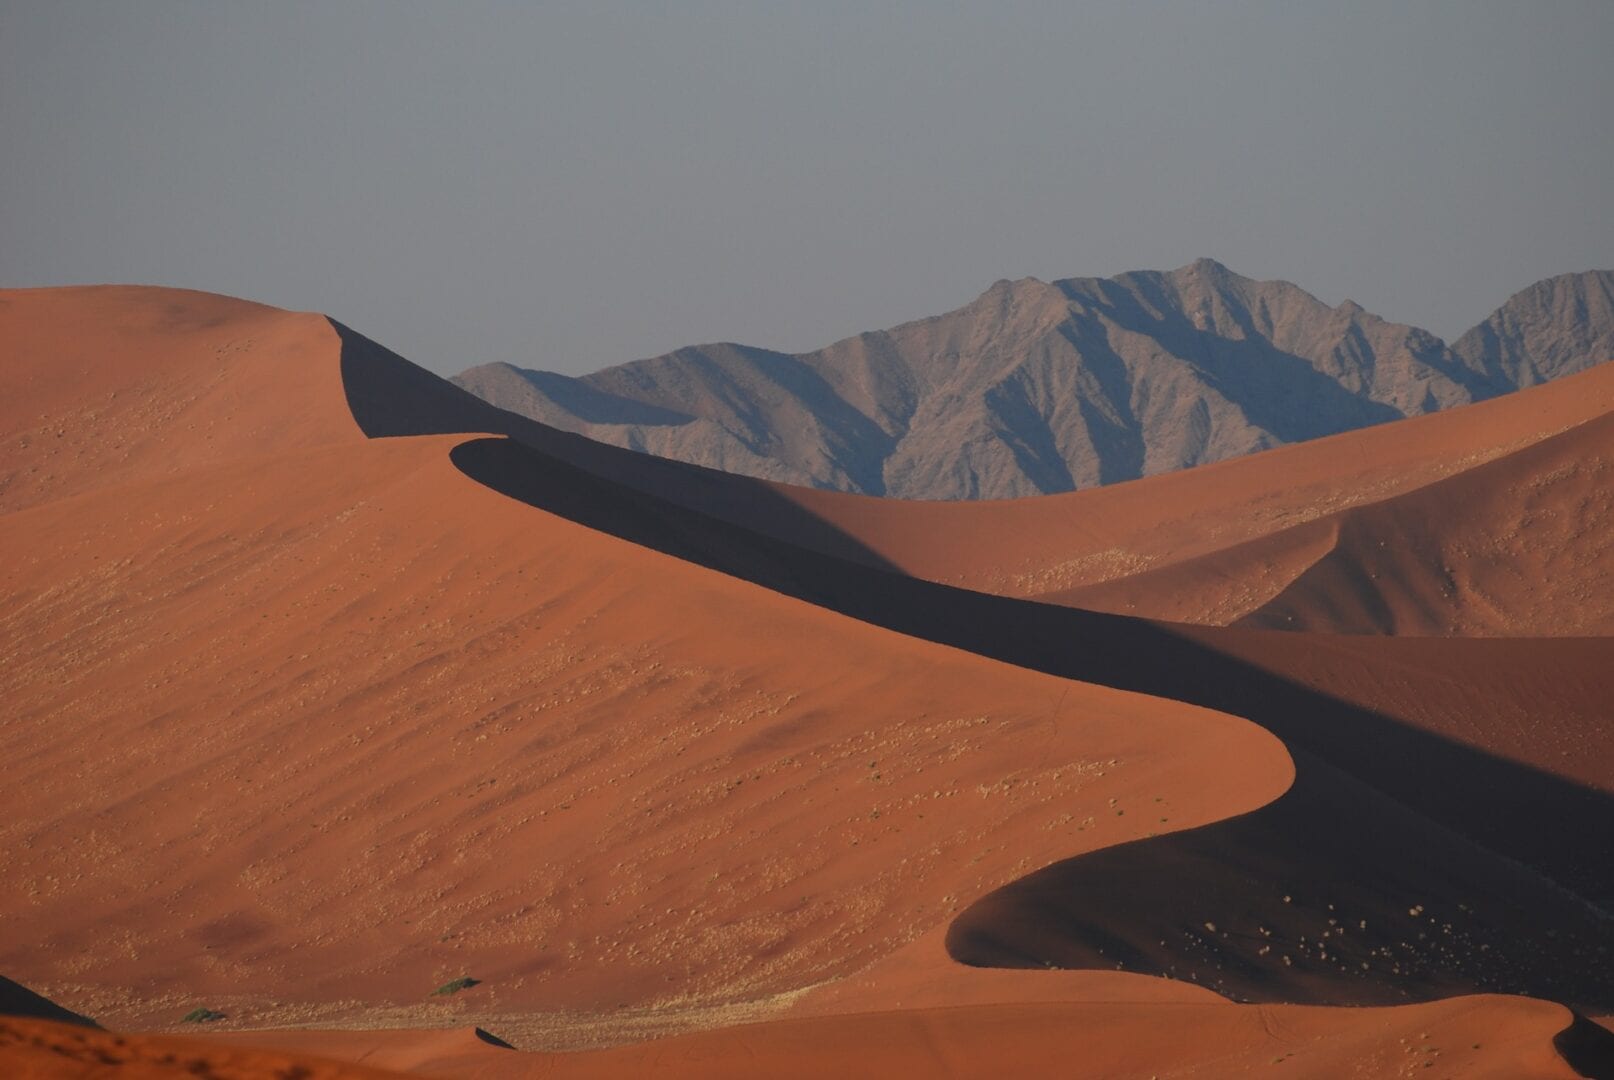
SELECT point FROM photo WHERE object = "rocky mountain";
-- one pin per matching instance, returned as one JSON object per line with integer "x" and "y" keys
{"x": 1555, "y": 327}
{"x": 1038, "y": 387}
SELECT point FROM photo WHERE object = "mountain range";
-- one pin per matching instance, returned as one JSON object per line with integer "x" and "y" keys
{"x": 1041, "y": 387}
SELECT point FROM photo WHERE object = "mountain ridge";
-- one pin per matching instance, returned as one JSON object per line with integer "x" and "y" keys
{"x": 1038, "y": 387}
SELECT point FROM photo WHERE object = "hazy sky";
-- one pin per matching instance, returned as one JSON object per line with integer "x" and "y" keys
{"x": 573, "y": 185}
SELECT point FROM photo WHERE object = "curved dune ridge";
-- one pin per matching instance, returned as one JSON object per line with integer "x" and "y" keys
{"x": 1490, "y": 519}
{"x": 386, "y": 687}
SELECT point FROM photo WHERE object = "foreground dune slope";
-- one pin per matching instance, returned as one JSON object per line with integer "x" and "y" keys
{"x": 363, "y": 725}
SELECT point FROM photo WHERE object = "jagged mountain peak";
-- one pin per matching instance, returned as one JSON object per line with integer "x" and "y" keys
{"x": 1036, "y": 386}
{"x": 1556, "y": 327}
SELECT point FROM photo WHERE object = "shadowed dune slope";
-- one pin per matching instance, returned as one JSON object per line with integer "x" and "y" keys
{"x": 17, "y": 1000}
{"x": 1332, "y": 894}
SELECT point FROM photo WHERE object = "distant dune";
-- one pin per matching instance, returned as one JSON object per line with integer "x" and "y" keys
{"x": 1040, "y": 387}
{"x": 1490, "y": 520}
{"x": 329, "y": 683}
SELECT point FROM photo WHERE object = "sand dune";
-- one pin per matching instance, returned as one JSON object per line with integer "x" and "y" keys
{"x": 1513, "y": 546}
{"x": 1488, "y": 737}
{"x": 106, "y": 385}
{"x": 522, "y": 750}
{"x": 389, "y": 687}
{"x": 1451, "y": 496}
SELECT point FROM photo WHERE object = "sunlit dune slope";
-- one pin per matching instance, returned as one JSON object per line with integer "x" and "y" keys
{"x": 1516, "y": 545}
{"x": 307, "y": 725}
{"x": 106, "y": 384}
{"x": 1520, "y": 545}
{"x": 1491, "y": 519}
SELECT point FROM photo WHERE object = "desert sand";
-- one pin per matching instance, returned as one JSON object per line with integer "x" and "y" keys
{"x": 328, "y": 684}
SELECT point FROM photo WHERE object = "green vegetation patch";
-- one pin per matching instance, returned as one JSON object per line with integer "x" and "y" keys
{"x": 464, "y": 982}
{"x": 200, "y": 1015}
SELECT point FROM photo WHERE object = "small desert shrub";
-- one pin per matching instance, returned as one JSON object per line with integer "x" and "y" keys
{"x": 465, "y": 982}
{"x": 200, "y": 1016}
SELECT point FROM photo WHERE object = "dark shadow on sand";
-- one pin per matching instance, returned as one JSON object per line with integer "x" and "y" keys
{"x": 391, "y": 397}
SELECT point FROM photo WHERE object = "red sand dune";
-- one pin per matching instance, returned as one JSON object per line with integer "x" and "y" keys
{"x": 378, "y": 726}
{"x": 377, "y": 702}
{"x": 1516, "y": 545}
{"x": 1487, "y": 520}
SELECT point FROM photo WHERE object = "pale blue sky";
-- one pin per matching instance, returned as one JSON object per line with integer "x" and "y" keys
{"x": 573, "y": 185}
